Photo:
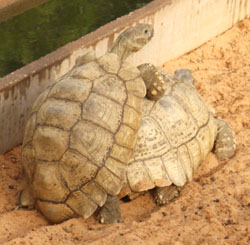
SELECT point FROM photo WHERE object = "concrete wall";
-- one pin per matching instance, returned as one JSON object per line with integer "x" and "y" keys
{"x": 180, "y": 26}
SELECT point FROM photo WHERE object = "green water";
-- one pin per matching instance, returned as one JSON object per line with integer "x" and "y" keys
{"x": 43, "y": 29}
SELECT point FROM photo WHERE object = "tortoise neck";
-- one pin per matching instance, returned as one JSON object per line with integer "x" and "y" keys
{"x": 122, "y": 48}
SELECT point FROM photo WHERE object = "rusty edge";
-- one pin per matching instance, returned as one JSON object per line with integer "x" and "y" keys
{"x": 11, "y": 8}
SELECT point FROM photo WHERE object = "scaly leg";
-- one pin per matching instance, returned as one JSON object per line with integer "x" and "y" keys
{"x": 153, "y": 80}
{"x": 224, "y": 146}
{"x": 110, "y": 212}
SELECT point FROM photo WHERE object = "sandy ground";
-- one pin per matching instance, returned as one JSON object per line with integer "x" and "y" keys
{"x": 212, "y": 209}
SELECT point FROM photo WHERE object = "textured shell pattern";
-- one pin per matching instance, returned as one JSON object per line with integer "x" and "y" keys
{"x": 176, "y": 134}
{"x": 81, "y": 135}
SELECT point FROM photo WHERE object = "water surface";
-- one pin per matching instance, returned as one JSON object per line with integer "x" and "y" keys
{"x": 43, "y": 29}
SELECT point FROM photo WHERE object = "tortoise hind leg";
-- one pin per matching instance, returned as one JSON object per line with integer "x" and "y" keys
{"x": 110, "y": 212}
{"x": 224, "y": 146}
{"x": 163, "y": 195}
{"x": 153, "y": 80}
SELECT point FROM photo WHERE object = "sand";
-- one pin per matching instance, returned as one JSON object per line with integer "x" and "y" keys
{"x": 214, "y": 208}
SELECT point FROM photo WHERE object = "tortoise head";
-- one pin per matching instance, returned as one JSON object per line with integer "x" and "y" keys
{"x": 132, "y": 40}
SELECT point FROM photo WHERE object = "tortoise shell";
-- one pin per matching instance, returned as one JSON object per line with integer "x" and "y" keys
{"x": 80, "y": 136}
{"x": 176, "y": 134}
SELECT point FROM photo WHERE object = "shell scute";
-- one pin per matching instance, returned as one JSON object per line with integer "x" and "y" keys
{"x": 110, "y": 63}
{"x": 111, "y": 87}
{"x": 103, "y": 112}
{"x": 30, "y": 129}
{"x": 90, "y": 70}
{"x": 128, "y": 72}
{"x": 136, "y": 87}
{"x": 131, "y": 117}
{"x": 157, "y": 172}
{"x": 174, "y": 168}
{"x": 76, "y": 169}
{"x": 91, "y": 141}
{"x": 81, "y": 204}
{"x": 95, "y": 192}
{"x": 50, "y": 143}
{"x": 188, "y": 97}
{"x": 29, "y": 161}
{"x": 121, "y": 153}
{"x": 55, "y": 212}
{"x": 126, "y": 137}
{"x": 110, "y": 183}
{"x": 117, "y": 168}
{"x": 40, "y": 100}
{"x": 138, "y": 177}
{"x": 71, "y": 89}
{"x": 59, "y": 113}
{"x": 172, "y": 117}
{"x": 49, "y": 182}
{"x": 151, "y": 141}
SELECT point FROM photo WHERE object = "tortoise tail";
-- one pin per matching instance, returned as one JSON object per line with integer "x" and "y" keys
{"x": 25, "y": 198}
{"x": 224, "y": 146}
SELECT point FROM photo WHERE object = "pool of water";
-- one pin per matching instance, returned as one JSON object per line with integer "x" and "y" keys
{"x": 41, "y": 30}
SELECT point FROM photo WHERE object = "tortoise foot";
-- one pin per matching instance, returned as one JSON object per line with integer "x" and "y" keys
{"x": 153, "y": 80}
{"x": 156, "y": 90}
{"x": 110, "y": 212}
{"x": 163, "y": 195}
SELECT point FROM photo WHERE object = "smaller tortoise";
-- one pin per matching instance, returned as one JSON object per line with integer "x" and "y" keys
{"x": 82, "y": 132}
{"x": 176, "y": 134}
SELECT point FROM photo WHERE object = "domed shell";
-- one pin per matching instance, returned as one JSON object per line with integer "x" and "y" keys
{"x": 81, "y": 135}
{"x": 176, "y": 134}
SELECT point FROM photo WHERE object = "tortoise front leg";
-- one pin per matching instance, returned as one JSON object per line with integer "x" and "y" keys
{"x": 110, "y": 212}
{"x": 153, "y": 80}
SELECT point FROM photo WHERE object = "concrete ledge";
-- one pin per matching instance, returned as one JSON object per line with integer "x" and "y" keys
{"x": 180, "y": 26}
{"x": 11, "y": 8}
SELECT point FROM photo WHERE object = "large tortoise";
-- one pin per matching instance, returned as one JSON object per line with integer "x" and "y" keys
{"x": 82, "y": 132}
{"x": 176, "y": 134}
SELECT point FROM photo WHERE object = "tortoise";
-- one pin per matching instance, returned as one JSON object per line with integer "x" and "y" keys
{"x": 82, "y": 131}
{"x": 176, "y": 134}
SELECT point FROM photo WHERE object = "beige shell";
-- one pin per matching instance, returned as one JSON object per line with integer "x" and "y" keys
{"x": 176, "y": 134}
{"x": 80, "y": 137}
